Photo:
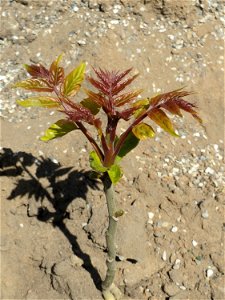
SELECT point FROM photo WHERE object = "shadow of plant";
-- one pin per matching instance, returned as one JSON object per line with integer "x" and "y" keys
{"x": 62, "y": 186}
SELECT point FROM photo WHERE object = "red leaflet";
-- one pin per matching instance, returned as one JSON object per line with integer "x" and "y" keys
{"x": 97, "y": 98}
{"x": 187, "y": 106}
{"x": 173, "y": 102}
{"x": 172, "y": 107}
{"x": 121, "y": 86}
{"x": 37, "y": 71}
{"x": 99, "y": 85}
{"x": 110, "y": 82}
{"x": 77, "y": 112}
{"x": 52, "y": 77}
{"x": 127, "y": 113}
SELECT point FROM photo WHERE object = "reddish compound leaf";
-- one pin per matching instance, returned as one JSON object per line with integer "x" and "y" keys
{"x": 161, "y": 99}
{"x": 173, "y": 108}
{"x": 188, "y": 107}
{"x": 110, "y": 82}
{"x": 173, "y": 102}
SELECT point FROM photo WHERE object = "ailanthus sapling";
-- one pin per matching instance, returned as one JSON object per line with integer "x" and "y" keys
{"x": 108, "y": 97}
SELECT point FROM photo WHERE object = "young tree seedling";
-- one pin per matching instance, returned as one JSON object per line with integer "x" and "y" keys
{"x": 109, "y": 101}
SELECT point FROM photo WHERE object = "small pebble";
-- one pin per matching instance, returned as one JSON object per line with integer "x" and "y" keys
{"x": 194, "y": 243}
{"x": 81, "y": 42}
{"x": 164, "y": 255}
{"x": 150, "y": 215}
{"x": 182, "y": 287}
{"x": 174, "y": 229}
{"x": 176, "y": 265}
{"x": 209, "y": 272}
{"x": 209, "y": 170}
{"x": 55, "y": 161}
{"x": 205, "y": 214}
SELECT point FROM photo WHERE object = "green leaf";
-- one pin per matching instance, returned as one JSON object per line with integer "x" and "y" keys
{"x": 142, "y": 102}
{"x": 115, "y": 173}
{"x": 58, "y": 129}
{"x": 73, "y": 80}
{"x": 141, "y": 105}
{"x": 160, "y": 118}
{"x": 96, "y": 163}
{"x": 130, "y": 143}
{"x": 38, "y": 85}
{"x": 91, "y": 105}
{"x": 39, "y": 102}
{"x": 143, "y": 131}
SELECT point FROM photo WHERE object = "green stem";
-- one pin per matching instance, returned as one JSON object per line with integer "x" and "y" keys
{"x": 110, "y": 234}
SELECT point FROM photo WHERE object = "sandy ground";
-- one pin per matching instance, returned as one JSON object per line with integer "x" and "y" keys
{"x": 53, "y": 217}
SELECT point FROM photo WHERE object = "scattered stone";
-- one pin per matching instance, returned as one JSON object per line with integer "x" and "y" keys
{"x": 176, "y": 265}
{"x": 164, "y": 255}
{"x": 174, "y": 229}
{"x": 209, "y": 272}
{"x": 81, "y": 42}
{"x": 205, "y": 214}
{"x": 194, "y": 243}
{"x": 31, "y": 37}
{"x": 150, "y": 217}
{"x": 171, "y": 289}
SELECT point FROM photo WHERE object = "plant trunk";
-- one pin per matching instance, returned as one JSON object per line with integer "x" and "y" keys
{"x": 110, "y": 235}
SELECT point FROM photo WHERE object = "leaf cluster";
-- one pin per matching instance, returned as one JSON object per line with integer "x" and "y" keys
{"x": 109, "y": 96}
